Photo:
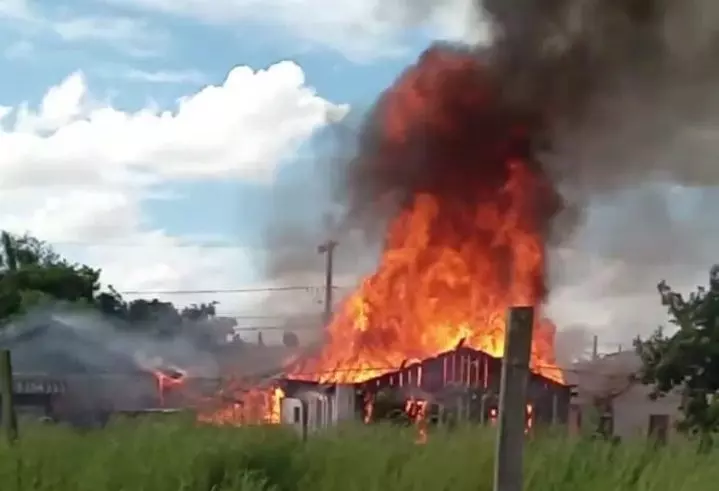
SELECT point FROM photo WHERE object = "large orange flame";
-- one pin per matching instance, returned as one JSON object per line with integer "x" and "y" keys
{"x": 469, "y": 238}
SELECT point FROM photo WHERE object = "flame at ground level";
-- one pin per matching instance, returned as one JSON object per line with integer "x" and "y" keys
{"x": 469, "y": 239}
{"x": 238, "y": 407}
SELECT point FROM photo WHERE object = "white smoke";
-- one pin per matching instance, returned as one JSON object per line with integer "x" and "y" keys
{"x": 104, "y": 364}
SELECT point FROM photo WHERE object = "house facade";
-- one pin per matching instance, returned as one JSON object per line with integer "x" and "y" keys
{"x": 611, "y": 400}
{"x": 635, "y": 414}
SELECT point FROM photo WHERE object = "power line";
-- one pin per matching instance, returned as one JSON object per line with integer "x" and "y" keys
{"x": 219, "y": 244}
{"x": 307, "y": 288}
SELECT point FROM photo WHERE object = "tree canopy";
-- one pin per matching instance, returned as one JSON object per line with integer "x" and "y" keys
{"x": 31, "y": 273}
{"x": 687, "y": 361}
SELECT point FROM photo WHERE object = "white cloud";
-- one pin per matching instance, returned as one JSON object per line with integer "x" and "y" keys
{"x": 135, "y": 37}
{"x": 14, "y": 9}
{"x": 165, "y": 76}
{"x": 361, "y": 29}
{"x": 132, "y": 36}
{"x": 76, "y": 170}
{"x": 241, "y": 128}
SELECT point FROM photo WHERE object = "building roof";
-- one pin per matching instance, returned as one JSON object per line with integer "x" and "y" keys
{"x": 49, "y": 346}
{"x": 607, "y": 376}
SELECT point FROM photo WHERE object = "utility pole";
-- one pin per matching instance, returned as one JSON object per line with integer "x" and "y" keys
{"x": 595, "y": 347}
{"x": 513, "y": 400}
{"x": 8, "y": 415}
{"x": 328, "y": 249}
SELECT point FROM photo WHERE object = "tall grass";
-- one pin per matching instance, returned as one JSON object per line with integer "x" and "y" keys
{"x": 178, "y": 455}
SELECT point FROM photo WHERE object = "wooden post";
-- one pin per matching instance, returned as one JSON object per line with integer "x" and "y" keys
{"x": 513, "y": 400}
{"x": 9, "y": 417}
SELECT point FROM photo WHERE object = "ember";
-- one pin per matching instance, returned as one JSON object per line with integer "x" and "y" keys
{"x": 468, "y": 239}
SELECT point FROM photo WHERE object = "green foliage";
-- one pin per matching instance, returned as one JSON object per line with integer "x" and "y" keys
{"x": 171, "y": 455}
{"x": 162, "y": 318}
{"x": 32, "y": 273}
{"x": 199, "y": 312}
{"x": 688, "y": 359}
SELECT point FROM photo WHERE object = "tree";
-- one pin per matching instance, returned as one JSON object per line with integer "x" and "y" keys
{"x": 111, "y": 303}
{"x": 201, "y": 312}
{"x": 32, "y": 272}
{"x": 688, "y": 360}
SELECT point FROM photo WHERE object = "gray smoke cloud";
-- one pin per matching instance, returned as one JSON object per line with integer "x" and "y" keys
{"x": 106, "y": 367}
{"x": 628, "y": 84}
{"x": 627, "y": 92}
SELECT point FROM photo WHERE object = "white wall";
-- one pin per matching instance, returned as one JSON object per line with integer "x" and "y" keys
{"x": 633, "y": 408}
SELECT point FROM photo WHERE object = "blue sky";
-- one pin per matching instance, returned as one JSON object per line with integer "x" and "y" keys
{"x": 135, "y": 54}
{"x": 148, "y": 211}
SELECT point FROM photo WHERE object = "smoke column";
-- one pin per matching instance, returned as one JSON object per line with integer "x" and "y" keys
{"x": 626, "y": 88}
{"x": 622, "y": 94}
{"x": 625, "y": 91}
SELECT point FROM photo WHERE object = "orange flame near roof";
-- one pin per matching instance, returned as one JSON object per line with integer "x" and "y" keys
{"x": 468, "y": 241}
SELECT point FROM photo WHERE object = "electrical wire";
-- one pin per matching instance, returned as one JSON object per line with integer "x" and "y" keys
{"x": 269, "y": 289}
{"x": 198, "y": 244}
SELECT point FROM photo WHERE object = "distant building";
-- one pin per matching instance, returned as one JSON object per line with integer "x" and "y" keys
{"x": 61, "y": 373}
{"x": 610, "y": 398}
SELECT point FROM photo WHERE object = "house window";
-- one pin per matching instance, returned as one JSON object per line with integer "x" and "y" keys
{"x": 658, "y": 427}
{"x": 296, "y": 415}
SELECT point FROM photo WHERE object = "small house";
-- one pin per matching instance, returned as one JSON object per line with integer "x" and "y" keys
{"x": 611, "y": 399}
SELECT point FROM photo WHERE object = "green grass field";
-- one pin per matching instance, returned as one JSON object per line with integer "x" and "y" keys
{"x": 178, "y": 455}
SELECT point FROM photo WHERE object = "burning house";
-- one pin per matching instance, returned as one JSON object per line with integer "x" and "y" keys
{"x": 459, "y": 385}
{"x": 467, "y": 380}
{"x": 467, "y": 222}
{"x": 466, "y": 169}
